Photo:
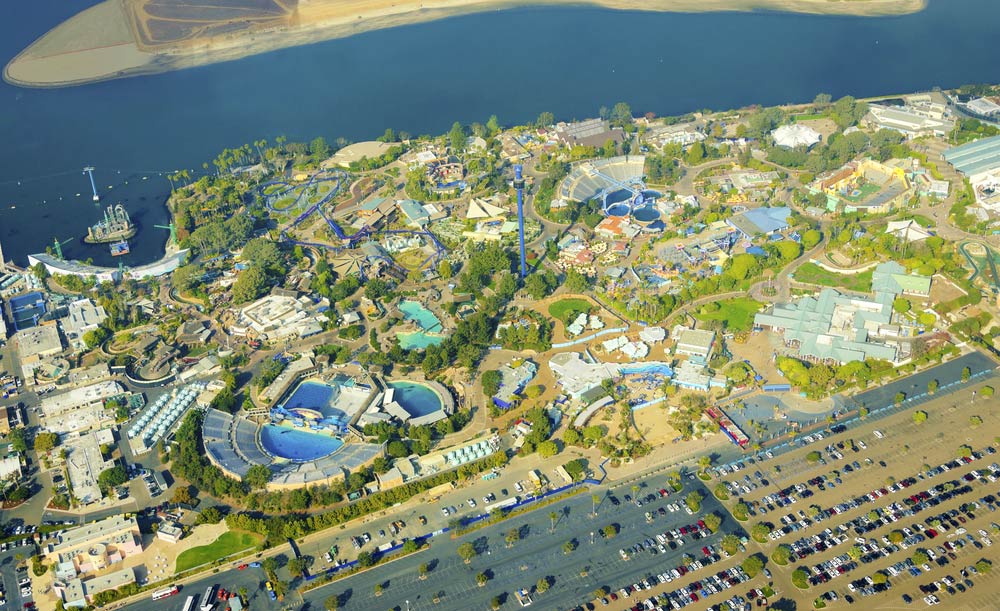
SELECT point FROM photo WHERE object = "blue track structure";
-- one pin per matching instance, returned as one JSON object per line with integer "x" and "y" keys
{"x": 519, "y": 185}
{"x": 340, "y": 177}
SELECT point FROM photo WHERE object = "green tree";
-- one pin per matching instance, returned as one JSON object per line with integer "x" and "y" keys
{"x": 543, "y": 585}
{"x": 901, "y": 305}
{"x": 575, "y": 282}
{"x": 919, "y": 416}
{"x": 984, "y": 566}
{"x": 249, "y": 285}
{"x": 986, "y": 391}
{"x": 854, "y": 553}
{"x": 693, "y": 501}
{"x": 481, "y": 579}
{"x": 456, "y": 137}
{"x": 45, "y": 441}
{"x": 753, "y": 565}
{"x": 365, "y": 559}
{"x": 811, "y": 238}
{"x": 265, "y": 254}
{"x": 730, "y": 544}
{"x": 814, "y": 456}
{"x": 467, "y": 552}
{"x": 296, "y": 567}
{"x": 569, "y": 546}
{"x": 712, "y": 522}
{"x": 445, "y": 269}
{"x": 932, "y": 386}
{"x": 332, "y": 603}
{"x": 759, "y": 532}
{"x": 782, "y": 554}
{"x": 879, "y": 578}
{"x": 610, "y": 531}
{"x": 109, "y": 478}
{"x": 547, "y": 449}
{"x": 800, "y": 579}
{"x": 512, "y": 537}
{"x": 490, "y": 380}
{"x": 95, "y": 337}
{"x": 257, "y": 476}
{"x": 545, "y": 119}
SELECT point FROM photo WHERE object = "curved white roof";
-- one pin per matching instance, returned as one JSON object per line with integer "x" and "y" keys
{"x": 795, "y": 135}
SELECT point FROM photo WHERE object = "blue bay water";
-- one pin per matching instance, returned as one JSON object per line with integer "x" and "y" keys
{"x": 421, "y": 78}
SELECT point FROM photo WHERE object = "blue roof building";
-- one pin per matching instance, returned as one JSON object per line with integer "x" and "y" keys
{"x": 975, "y": 157}
{"x": 760, "y": 221}
{"x": 415, "y": 212}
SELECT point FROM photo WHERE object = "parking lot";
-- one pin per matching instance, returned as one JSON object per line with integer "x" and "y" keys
{"x": 890, "y": 513}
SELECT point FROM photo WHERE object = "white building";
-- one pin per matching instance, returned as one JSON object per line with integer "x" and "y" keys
{"x": 277, "y": 317}
{"x": 796, "y": 135}
{"x": 84, "y": 315}
{"x": 909, "y": 121}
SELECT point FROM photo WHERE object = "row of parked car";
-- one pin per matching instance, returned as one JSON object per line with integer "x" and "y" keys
{"x": 693, "y": 592}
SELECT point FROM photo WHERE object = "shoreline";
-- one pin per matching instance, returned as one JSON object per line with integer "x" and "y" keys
{"x": 58, "y": 59}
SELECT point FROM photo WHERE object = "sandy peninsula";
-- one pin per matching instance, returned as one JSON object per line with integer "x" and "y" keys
{"x": 121, "y": 38}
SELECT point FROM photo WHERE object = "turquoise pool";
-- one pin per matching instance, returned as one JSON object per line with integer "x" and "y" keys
{"x": 418, "y": 340}
{"x": 296, "y": 445}
{"x": 417, "y": 399}
{"x": 416, "y": 312}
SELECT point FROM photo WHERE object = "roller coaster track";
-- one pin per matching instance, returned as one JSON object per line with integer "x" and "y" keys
{"x": 340, "y": 177}
{"x": 976, "y": 271}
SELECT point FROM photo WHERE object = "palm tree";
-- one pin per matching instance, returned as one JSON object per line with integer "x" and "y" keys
{"x": 553, "y": 516}
{"x": 513, "y": 535}
{"x": 594, "y": 499}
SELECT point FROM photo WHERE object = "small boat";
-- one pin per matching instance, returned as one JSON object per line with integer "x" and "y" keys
{"x": 119, "y": 248}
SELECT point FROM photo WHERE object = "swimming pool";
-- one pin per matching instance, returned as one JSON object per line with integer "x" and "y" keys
{"x": 418, "y": 340}
{"x": 413, "y": 310}
{"x": 296, "y": 445}
{"x": 417, "y": 399}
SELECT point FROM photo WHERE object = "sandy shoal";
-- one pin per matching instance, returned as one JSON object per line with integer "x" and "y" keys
{"x": 82, "y": 50}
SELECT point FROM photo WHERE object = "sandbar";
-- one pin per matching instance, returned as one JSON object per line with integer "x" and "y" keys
{"x": 122, "y": 38}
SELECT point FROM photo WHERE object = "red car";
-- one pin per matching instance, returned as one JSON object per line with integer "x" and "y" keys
{"x": 241, "y": 567}
{"x": 222, "y": 594}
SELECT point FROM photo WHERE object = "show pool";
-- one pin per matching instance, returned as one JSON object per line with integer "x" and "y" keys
{"x": 415, "y": 311}
{"x": 417, "y": 399}
{"x": 296, "y": 445}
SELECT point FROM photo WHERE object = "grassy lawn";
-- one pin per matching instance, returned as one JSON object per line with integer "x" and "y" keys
{"x": 814, "y": 274}
{"x": 561, "y": 308}
{"x": 738, "y": 313}
{"x": 227, "y": 543}
{"x": 284, "y": 203}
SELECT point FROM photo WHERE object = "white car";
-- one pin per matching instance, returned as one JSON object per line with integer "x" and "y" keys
{"x": 472, "y": 502}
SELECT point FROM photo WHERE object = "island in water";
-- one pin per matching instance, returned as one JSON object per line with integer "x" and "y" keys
{"x": 120, "y": 38}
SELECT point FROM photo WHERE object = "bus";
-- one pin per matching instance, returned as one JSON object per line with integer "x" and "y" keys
{"x": 500, "y": 505}
{"x": 166, "y": 593}
{"x": 189, "y": 604}
{"x": 208, "y": 600}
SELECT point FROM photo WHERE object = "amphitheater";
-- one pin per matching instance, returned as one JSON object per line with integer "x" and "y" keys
{"x": 232, "y": 444}
{"x": 592, "y": 178}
